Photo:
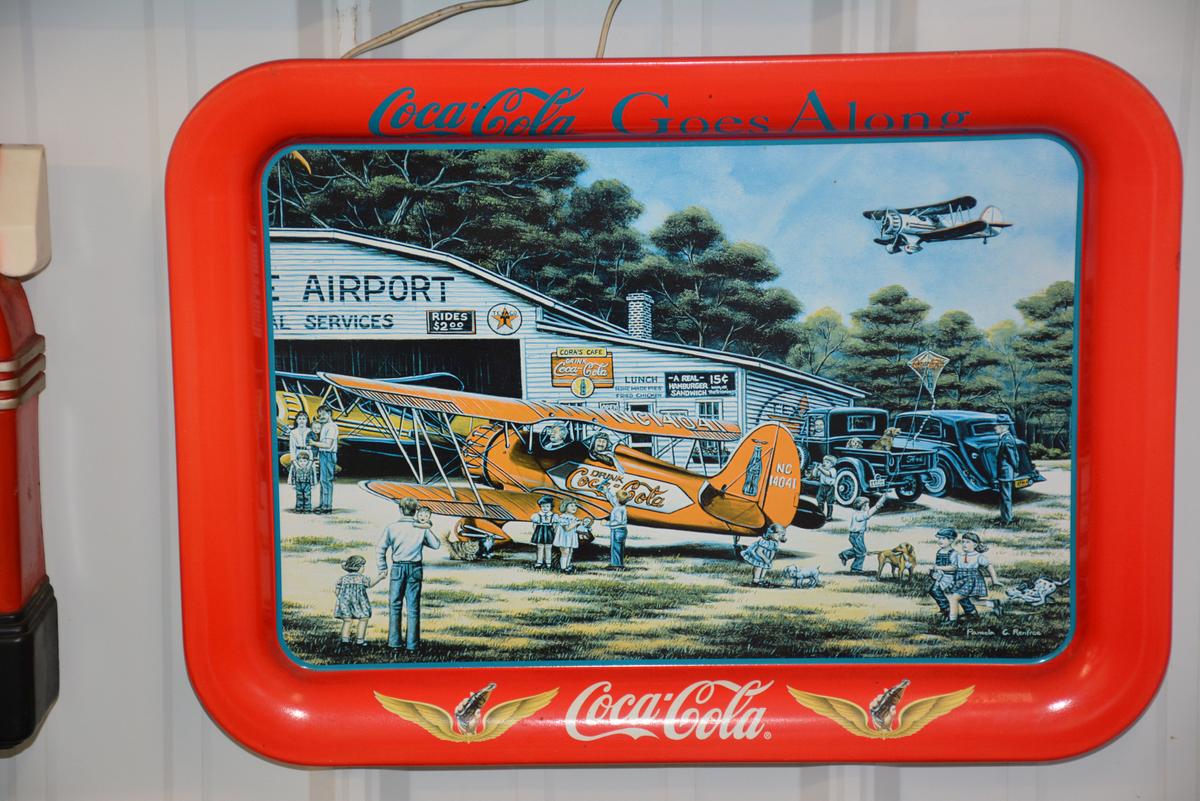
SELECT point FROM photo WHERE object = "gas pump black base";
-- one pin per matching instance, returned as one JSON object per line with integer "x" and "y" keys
{"x": 28, "y": 666}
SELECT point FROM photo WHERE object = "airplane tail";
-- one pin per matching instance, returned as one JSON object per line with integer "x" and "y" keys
{"x": 992, "y": 216}
{"x": 765, "y": 469}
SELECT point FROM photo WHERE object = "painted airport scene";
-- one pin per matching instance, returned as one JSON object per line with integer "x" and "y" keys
{"x": 697, "y": 402}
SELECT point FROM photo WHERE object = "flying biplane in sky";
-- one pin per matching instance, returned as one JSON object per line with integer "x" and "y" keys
{"x": 909, "y": 229}
{"x": 360, "y": 425}
{"x": 524, "y": 449}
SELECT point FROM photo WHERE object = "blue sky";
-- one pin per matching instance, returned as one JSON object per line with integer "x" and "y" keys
{"x": 804, "y": 202}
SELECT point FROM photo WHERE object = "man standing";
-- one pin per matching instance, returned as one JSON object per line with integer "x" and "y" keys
{"x": 326, "y": 446}
{"x": 858, "y": 533}
{"x": 1007, "y": 461}
{"x": 406, "y": 543}
{"x": 618, "y": 521}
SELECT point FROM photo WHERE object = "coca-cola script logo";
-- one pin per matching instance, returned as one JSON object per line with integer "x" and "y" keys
{"x": 656, "y": 496}
{"x": 704, "y": 709}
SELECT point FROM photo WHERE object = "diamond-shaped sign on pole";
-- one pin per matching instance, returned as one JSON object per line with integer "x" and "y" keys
{"x": 928, "y": 366}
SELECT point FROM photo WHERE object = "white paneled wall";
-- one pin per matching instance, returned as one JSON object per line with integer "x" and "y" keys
{"x": 104, "y": 85}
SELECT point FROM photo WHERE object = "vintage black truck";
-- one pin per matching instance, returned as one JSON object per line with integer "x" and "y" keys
{"x": 865, "y": 462}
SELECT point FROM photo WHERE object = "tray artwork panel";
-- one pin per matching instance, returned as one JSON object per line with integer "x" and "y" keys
{"x": 634, "y": 404}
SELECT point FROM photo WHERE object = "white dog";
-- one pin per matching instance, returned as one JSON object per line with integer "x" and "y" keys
{"x": 804, "y": 577}
{"x": 1036, "y": 594}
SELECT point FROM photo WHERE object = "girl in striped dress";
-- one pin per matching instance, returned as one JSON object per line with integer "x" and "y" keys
{"x": 544, "y": 521}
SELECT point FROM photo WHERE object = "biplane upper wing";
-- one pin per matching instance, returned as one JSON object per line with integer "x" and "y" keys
{"x": 449, "y": 380}
{"x": 498, "y": 505}
{"x": 522, "y": 412}
{"x": 945, "y": 207}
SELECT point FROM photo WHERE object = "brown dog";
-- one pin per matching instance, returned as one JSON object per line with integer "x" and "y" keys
{"x": 884, "y": 443}
{"x": 901, "y": 559}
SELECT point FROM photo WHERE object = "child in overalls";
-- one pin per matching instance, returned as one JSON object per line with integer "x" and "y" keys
{"x": 826, "y": 476}
{"x": 352, "y": 606}
{"x": 543, "y": 531}
{"x": 302, "y": 474}
{"x": 566, "y": 535}
{"x": 969, "y": 582}
{"x": 761, "y": 554}
{"x": 942, "y": 575}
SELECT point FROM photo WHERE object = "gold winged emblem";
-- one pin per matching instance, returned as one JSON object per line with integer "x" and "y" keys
{"x": 884, "y": 720}
{"x": 472, "y": 727}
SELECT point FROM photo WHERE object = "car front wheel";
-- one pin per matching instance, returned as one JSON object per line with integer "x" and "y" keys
{"x": 846, "y": 487}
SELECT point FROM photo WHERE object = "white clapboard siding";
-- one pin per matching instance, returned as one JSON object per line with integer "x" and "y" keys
{"x": 104, "y": 85}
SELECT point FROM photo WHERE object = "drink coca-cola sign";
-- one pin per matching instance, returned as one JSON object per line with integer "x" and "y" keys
{"x": 584, "y": 479}
{"x": 720, "y": 709}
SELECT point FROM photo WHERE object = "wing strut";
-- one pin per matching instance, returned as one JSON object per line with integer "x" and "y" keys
{"x": 387, "y": 421}
{"x": 462, "y": 461}
{"x": 417, "y": 445}
{"x": 424, "y": 431}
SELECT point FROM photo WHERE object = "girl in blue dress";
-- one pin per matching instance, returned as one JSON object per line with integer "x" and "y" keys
{"x": 970, "y": 586}
{"x": 761, "y": 554}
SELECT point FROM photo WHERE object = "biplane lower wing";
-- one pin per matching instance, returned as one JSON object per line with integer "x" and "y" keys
{"x": 500, "y": 506}
{"x": 957, "y": 231}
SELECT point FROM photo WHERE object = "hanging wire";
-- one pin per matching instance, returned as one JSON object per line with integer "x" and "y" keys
{"x": 608, "y": 18}
{"x": 427, "y": 21}
{"x": 440, "y": 15}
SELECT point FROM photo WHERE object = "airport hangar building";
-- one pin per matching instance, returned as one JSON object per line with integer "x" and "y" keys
{"x": 358, "y": 305}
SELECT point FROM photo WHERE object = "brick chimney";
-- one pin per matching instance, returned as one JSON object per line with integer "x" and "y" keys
{"x": 641, "y": 315}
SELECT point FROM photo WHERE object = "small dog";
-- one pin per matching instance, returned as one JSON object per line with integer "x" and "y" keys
{"x": 902, "y": 559}
{"x": 854, "y": 442}
{"x": 1036, "y": 594}
{"x": 884, "y": 443}
{"x": 803, "y": 577}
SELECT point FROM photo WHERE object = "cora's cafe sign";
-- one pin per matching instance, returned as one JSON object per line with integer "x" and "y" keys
{"x": 567, "y": 365}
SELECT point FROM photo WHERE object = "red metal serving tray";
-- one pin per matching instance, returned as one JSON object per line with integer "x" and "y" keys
{"x": 731, "y": 711}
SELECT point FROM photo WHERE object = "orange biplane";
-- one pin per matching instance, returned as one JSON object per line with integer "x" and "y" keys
{"x": 528, "y": 449}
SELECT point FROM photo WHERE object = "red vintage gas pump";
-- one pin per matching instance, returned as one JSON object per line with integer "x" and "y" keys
{"x": 28, "y": 611}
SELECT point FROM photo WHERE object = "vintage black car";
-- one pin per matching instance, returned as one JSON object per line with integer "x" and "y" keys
{"x": 965, "y": 445}
{"x": 864, "y": 463}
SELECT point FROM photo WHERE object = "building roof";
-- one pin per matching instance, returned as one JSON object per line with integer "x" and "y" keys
{"x": 588, "y": 326}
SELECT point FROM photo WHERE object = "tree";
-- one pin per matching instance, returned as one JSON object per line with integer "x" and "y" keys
{"x": 887, "y": 333}
{"x": 1011, "y": 371}
{"x": 823, "y": 336}
{"x": 494, "y": 207}
{"x": 596, "y": 240}
{"x": 1048, "y": 344}
{"x": 711, "y": 292}
{"x": 965, "y": 382}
